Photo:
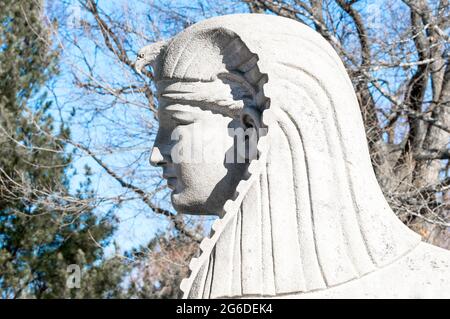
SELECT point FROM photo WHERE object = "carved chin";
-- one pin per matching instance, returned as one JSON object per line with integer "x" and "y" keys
{"x": 184, "y": 204}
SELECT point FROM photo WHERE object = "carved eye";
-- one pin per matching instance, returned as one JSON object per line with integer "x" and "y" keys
{"x": 141, "y": 55}
{"x": 182, "y": 121}
{"x": 182, "y": 118}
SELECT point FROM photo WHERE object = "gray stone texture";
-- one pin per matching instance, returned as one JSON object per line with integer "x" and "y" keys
{"x": 306, "y": 218}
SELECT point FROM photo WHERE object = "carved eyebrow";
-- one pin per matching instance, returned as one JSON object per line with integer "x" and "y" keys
{"x": 173, "y": 108}
{"x": 219, "y": 93}
{"x": 225, "y": 108}
{"x": 183, "y": 101}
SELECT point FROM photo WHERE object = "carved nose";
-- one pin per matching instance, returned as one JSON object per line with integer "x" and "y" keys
{"x": 156, "y": 158}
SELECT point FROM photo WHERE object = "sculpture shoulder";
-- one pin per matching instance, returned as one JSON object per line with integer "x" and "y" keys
{"x": 431, "y": 256}
{"x": 422, "y": 273}
{"x": 430, "y": 265}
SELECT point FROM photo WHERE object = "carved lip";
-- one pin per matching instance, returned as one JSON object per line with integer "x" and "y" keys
{"x": 167, "y": 176}
{"x": 171, "y": 182}
{"x": 168, "y": 172}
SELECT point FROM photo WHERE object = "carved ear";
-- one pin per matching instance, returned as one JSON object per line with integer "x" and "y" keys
{"x": 247, "y": 146}
{"x": 150, "y": 56}
{"x": 251, "y": 118}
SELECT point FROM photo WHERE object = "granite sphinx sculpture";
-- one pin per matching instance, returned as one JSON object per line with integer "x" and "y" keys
{"x": 304, "y": 217}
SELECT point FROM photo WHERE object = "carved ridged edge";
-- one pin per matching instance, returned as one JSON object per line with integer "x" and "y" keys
{"x": 229, "y": 211}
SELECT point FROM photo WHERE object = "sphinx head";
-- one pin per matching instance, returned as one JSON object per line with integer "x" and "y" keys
{"x": 209, "y": 109}
{"x": 312, "y": 205}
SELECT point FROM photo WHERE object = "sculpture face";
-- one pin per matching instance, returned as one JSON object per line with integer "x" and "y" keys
{"x": 195, "y": 149}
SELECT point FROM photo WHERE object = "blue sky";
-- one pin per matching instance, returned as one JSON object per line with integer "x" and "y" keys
{"x": 116, "y": 123}
{"x": 123, "y": 124}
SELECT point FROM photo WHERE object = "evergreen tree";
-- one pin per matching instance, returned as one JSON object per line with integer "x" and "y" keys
{"x": 43, "y": 227}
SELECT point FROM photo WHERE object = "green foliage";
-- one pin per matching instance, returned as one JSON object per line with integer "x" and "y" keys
{"x": 43, "y": 228}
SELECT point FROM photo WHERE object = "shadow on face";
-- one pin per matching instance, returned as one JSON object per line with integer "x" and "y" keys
{"x": 199, "y": 148}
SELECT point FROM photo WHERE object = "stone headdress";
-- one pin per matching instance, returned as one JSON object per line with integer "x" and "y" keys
{"x": 310, "y": 214}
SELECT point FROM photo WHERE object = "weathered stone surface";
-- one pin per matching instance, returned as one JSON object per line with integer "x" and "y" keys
{"x": 306, "y": 218}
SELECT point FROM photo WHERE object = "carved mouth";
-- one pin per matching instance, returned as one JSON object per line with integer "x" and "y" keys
{"x": 169, "y": 175}
{"x": 171, "y": 182}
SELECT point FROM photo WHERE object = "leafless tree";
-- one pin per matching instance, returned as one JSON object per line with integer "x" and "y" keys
{"x": 396, "y": 53}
